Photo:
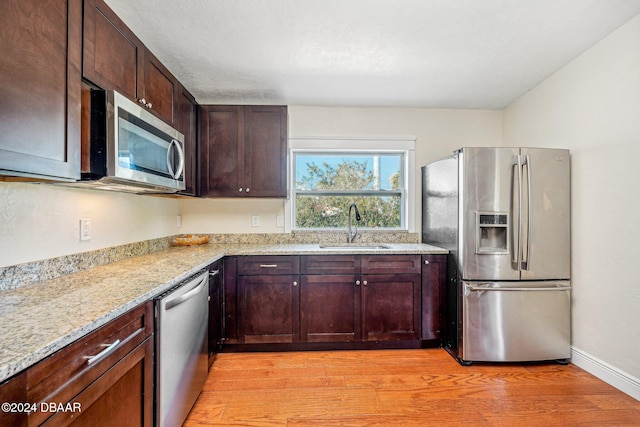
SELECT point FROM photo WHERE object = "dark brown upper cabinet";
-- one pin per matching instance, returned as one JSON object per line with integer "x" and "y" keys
{"x": 40, "y": 78}
{"x": 187, "y": 124}
{"x": 159, "y": 89}
{"x": 244, "y": 151}
{"x": 115, "y": 59}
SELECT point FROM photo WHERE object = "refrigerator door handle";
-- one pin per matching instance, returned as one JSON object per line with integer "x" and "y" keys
{"x": 516, "y": 258}
{"x": 481, "y": 288}
{"x": 527, "y": 247}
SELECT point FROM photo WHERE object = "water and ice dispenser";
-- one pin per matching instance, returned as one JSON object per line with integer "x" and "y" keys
{"x": 492, "y": 233}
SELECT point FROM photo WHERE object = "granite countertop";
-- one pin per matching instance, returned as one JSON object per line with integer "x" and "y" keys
{"x": 42, "y": 318}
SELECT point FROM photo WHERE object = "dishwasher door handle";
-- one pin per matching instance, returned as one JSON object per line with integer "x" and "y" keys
{"x": 182, "y": 298}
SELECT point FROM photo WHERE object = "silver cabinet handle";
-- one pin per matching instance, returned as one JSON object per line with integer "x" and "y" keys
{"x": 110, "y": 349}
{"x": 365, "y": 283}
{"x": 426, "y": 262}
{"x": 148, "y": 105}
{"x": 214, "y": 273}
{"x": 268, "y": 265}
{"x": 358, "y": 282}
{"x": 295, "y": 283}
{"x": 142, "y": 101}
{"x": 240, "y": 190}
{"x": 246, "y": 191}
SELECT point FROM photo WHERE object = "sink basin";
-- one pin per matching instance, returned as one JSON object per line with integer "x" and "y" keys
{"x": 352, "y": 246}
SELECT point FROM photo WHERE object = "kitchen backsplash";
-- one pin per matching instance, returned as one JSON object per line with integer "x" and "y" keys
{"x": 15, "y": 276}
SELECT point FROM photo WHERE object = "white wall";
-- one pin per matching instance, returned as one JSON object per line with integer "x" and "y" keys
{"x": 437, "y": 133}
{"x": 40, "y": 221}
{"x": 592, "y": 106}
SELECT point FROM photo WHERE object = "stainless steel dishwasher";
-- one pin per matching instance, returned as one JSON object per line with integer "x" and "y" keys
{"x": 182, "y": 317}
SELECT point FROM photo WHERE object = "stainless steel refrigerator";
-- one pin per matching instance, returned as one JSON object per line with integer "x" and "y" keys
{"x": 504, "y": 215}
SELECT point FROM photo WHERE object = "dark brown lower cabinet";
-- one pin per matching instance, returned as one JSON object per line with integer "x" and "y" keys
{"x": 268, "y": 309}
{"x": 391, "y": 307}
{"x": 330, "y": 308}
{"x": 215, "y": 308}
{"x": 334, "y": 299}
{"x": 434, "y": 277}
{"x": 369, "y": 308}
{"x": 118, "y": 397}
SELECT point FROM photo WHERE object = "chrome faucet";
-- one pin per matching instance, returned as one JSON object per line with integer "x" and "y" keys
{"x": 352, "y": 234}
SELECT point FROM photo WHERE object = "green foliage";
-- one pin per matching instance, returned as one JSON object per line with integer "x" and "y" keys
{"x": 332, "y": 211}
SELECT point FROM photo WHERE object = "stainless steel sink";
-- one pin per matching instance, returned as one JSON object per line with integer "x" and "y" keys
{"x": 354, "y": 246}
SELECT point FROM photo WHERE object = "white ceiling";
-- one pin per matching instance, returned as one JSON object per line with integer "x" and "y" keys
{"x": 478, "y": 54}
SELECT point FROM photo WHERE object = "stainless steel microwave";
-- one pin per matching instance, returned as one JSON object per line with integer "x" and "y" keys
{"x": 130, "y": 149}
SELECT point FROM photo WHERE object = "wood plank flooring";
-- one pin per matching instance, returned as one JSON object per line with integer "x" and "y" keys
{"x": 402, "y": 388}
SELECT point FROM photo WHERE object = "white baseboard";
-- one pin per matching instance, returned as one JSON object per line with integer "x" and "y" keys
{"x": 607, "y": 373}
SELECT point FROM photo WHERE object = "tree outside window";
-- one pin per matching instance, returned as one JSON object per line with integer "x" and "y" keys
{"x": 327, "y": 184}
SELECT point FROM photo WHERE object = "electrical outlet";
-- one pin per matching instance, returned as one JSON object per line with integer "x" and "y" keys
{"x": 279, "y": 221}
{"x": 179, "y": 221}
{"x": 85, "y": 229}
{"x": 255, "y": 220}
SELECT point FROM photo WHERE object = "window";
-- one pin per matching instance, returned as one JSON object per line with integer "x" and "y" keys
{"x": 328, "y": 181}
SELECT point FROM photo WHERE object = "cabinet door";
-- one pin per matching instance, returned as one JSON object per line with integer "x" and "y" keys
{"x": 215, "y": 307}
{"x": 244, "y": 151}
{"x": 265, "y": 152}
{"x": 221, "y": 173}
{"x": 269, "y": 309}
{"x": 122, "y": 396}
{"x": 230, "y": 300}
{"x": 330, "y": 308}
{"x": 391, "y": 306}
{"x": 160, "y": 88}
{"x": 14, "y": 390}
{"x": 113, "y": 57}
{"x": 434, "y": 276}
{"x": 186, "y": 123}
{"x": 40, "y": 81}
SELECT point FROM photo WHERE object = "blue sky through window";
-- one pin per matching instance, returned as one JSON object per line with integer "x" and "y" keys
{"x": 389, "y": 164}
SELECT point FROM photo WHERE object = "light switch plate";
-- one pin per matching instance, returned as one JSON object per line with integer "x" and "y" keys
{"x": 85, "y": 229}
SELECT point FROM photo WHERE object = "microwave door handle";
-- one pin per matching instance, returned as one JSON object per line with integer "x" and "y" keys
{"x": 170, "y": 158}
{"x": 180, "y": 169}
{"x": 175, "y": 144}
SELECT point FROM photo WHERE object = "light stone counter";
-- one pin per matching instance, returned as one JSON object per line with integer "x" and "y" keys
{"x": 41, "y": 318}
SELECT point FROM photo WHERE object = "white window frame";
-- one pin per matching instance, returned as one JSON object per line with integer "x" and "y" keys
{"x": 357, "y": 145}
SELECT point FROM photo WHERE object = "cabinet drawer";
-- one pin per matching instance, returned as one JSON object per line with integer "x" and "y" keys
{"x": 66, "y": 373}
{"x": 330, "y": 264}
{"x": 268, "y": 265}
{"x": 390, "y": 264}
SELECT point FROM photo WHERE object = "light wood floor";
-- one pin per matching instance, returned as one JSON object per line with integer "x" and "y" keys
{"x": 402, "y": 388}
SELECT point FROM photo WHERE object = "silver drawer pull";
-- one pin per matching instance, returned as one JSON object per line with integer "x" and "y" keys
{"x": 214, "y": 273}
{"x": 110, "y": 348}
{"x": 268, "y": 265}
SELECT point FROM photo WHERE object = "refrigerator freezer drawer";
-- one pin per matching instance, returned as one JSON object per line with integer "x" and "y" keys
{"x": 515, "y": 321}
